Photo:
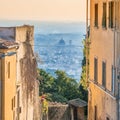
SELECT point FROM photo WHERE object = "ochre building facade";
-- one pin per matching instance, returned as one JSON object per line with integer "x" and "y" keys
{"x": 104, "y": 60}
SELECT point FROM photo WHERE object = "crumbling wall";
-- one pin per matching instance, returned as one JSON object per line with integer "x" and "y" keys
{"x": 80, "y": 113}
{"x": 26, "y": 74}
{"x": 58, "y": 112}
{"x": 36, "y": 101}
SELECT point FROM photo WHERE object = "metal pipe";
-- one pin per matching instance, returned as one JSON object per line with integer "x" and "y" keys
{"x": 86, "y": 40}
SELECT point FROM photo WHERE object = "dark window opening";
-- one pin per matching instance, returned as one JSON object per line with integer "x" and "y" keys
{"x": 113, "y": 80}
{"x": 8, "y": 69}
{"x": 107, "y": 118}
{"x": 111, "y": 14}
{"x": 103, "y": 74}
{"x": 75, "y": 114}
{"x": 95, "y": 113}
{"x": 18, "y": 105}
{"x": 104, "y": 17}
{"x": 96, "y": 15}
{"x": 95, "y": 69}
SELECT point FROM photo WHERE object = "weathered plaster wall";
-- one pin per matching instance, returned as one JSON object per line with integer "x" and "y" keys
{"x": 81, "y": 113}
{"x": 26, "y": 74}
{"x": 102, "y": 48}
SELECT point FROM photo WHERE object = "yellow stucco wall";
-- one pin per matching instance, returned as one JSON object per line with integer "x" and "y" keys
{"x": 8, "y": 86}
{"x": 106, "y": 104}
{"x": 101, "y": 47}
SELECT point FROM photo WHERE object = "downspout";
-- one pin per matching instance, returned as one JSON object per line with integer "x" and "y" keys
{"x": 114, "y": 45}
{"x": 118, "y": 37}
{"x": 87, "y": 41}
{"x": 87, "y": 47}
{"x": 114, "y": 62}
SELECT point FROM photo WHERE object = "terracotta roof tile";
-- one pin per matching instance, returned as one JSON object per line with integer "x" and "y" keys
{"x": 77, "y": 102}
{"x": 5, "y": 44}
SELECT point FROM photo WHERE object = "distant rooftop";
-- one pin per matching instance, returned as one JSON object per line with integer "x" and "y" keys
{"x": 77, "y": 102}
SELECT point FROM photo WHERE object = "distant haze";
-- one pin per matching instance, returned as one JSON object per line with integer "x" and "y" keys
{"x": 45, "y": 10}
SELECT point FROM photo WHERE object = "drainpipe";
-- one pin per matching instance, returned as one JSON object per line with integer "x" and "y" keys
{"x": 114, "y": 60}
{"x": 87, "y": 47}
{"x": 87, "y": 41}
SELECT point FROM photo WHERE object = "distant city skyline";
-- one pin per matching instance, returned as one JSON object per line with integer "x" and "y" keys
{"x": 43, "y": 10}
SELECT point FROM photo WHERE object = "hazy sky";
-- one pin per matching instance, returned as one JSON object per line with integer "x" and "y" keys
{"x": 54, "y": 10}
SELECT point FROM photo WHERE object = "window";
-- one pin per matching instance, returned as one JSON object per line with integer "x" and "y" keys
{"x": 95, "y": 113}
{"x": 107, "y": 118}
{"x": 18, "y": 105}
{"x": 95, "y": 69}
{"x": 8, "y": 69}
{"x": 104, "y": 74}
{"x": 12, "y": 104}
{"x": 111, "y": 14}
{"x": 96, "y": 15}
{"x": 113, "y": 80}
{"x": 104, "y": 20}
{"x": 14, "y": 101}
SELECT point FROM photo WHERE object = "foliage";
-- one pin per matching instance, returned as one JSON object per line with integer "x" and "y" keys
{"x": 60, "y": 88}
{"x": 44, "y": 107}
{"x": 63, "y": 88}
{"x": 83, "y": 81}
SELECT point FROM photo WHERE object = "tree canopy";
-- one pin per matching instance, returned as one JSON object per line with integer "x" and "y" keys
{"x": 60, "y": 88}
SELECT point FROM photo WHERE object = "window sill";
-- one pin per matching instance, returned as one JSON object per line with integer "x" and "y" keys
{"x": 112, "y": 28}
{"x": 103, "y": 88}
{"x": 104, "y": 28}
{"x": 96, "y": 27}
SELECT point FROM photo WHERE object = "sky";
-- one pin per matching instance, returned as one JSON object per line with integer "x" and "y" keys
{"x": 43, "y": 10}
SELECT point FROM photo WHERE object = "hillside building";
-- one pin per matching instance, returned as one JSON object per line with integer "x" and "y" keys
{"x": 23, "y": 81}
{"x": 104, "y": 60}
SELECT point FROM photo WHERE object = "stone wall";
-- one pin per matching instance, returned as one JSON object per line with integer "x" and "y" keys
{"x": 58, "y": 112}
